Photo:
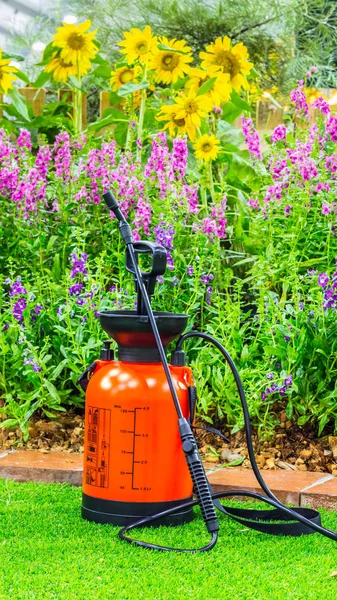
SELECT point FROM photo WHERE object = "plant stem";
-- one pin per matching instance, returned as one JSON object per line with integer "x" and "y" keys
{"x": 211, "y": 183}
{"x": 78, "y": 103}
{"x": 141, "y": 119}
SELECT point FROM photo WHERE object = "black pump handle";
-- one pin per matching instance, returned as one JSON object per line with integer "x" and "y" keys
{"x": 158, "y": 254}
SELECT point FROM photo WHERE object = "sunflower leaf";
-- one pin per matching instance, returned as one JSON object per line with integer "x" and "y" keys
{"x": 102, "y": 71}
{"x": 237, "y": 100}
{"x": 41, "y": 80}
{"x": 11, "y": 56}
{"x": 47, "y": 54}
{"x": 207, "y": 86}
{"x": 20, "y": 75}
{"x": 130, "y": 88}
{"x": 19, "y": 103}
{"x": 169, "y": 49}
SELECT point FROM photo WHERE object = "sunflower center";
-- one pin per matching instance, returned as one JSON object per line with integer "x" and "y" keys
{"x": 191, "y": 107}
{"x": 76, "y": 41}
{"x": 179, "y": 122}
{"x": 64, "y": 64}
{"x": 142, "y": 47}
{"x": 170, "y": 61}
{"x": 227, "y": 61}
{"x": 126, "y": 76}
{"x": 206, "y": 147}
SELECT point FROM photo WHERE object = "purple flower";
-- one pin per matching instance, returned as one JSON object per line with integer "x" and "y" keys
{"x": 287, "y": 338}
{"x": 252, "y": 138}
{"x": 297, "y": 96}
{"x": 288, "y": 381}
{"x": 253, "y": 203}
{"x": 31, "y": 362}
{"x": 76, "y": 289}
{"x": 270, "y": 375}
{"x": 5, "y": 327}
{"x": 164, "y": 235}
{"x": 160, "y": 279}
{"x": 190, "y": 270}
{"x": 322, "y": 105}
{"x": 17, "y": 288}
{"x": 18, "y": 309}
{"x": 279, "y": 134}
{"x": 175, "y": 281}
{"x": 78, "y": 264}
{"x": 23, "y": 140}
{"x": 205, "y": 279}
{"x": 323, "y": 280}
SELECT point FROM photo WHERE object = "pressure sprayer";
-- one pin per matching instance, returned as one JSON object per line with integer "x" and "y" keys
{"x": 141, "y": 461}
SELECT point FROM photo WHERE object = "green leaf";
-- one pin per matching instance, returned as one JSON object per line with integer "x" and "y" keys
{"x": 229, "y": 135}
{"x": 56, "y": 270}
{"x": 115, "y": 113}
{"x": 130, "y": 88}
{"x": 48, "y": 53}
{"x": 52, "y": 391}
{"x": 10, "y": 423}
{"x": 19, "y": 103}
{"x": 114, "y": 99}
{"x": 17, "y": 57}
{"x": 237, "y": 100}
{"x": 289, "y": 410}
{"x": 169, "y": 49}
{"x": 230, "y": 112}
{"x": 98, "y": 125}
{"x": 22, "y": 76}
{"x": 180, "y": 83}
{"x": 76, "y": 83}
{"x": 41, "y": 80}
{"x": 103, "y": 71}
{"x": 58, "y": 370}
{"x": 254, "y": 73}
{"x": 51, "y": 243}
{"x": 303, "y": 420}
{"x": 120, "y": 134}
{"x": 274, "y": 350}
{"x": 235, "y": 463}
{"x": 207, "y": 86}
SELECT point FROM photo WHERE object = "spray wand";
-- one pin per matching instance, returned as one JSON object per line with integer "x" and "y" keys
{"x": 195, "y": 466}
{"x": 307, "y": 521}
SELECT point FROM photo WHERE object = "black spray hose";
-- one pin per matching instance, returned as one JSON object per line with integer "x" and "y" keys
{"x": 281, "y": 513}
{"x": 271, "y": 497}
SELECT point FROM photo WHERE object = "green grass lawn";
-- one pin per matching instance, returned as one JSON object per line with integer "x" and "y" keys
{"x": 48, "y": 551}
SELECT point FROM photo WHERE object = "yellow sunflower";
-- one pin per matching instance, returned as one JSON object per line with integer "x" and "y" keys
{"x": 122, "y": 76}
{"x": 61, "y": 69}
{"x": 207, "y": 147}
{"x": 231, "y": 59}
{"x": 76, "y": 45}
{"x": 221, "y": 89}
{"x": 138, "y": 45}
{"x": 169, "y": 65}
{"x": 192, "y": 108}
{"x": 6, "y": 74}
{"x": 175, "y": 126}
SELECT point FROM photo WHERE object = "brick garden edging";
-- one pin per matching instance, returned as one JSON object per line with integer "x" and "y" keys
{"x": 318, "y": 490}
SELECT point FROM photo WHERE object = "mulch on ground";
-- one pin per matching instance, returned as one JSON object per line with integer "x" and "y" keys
{"x": 291, "y": 447}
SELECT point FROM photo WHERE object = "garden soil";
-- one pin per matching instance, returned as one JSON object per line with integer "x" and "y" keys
{"x": 291, "y": 447}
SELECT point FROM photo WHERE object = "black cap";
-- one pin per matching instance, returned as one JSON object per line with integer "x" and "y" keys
{"x": 178, "y": 358}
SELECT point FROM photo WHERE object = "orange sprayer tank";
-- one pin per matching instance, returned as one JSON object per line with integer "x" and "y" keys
{"x": 134, "y": 464}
